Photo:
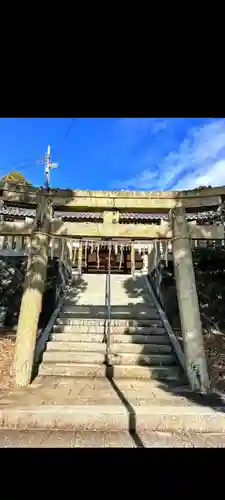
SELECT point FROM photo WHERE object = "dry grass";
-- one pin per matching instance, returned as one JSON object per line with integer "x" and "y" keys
{"x": 7, "y": 347}
{"x": 214, "y": 335}
{"x": 215, "y": 353}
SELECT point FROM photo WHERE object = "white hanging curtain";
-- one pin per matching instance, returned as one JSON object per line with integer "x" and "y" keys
{"x": 70, "y": 249}
{"x": 19, "y": 242}
{"x": 149, "y": 248}
{"x": 75, "y": 252}
{"x": 80, "y": 256}
{"x": 10, "y": 240}
{"x": 132, "y": 255}
{"x": 52, "y": 247}
{"x": 155, "y": 254}
{"x": 158, "y": 252}
{"x": 85, "y": 253}
{"x": 62, "y": 249}
{"x": 109, "y": 255}
{"x": 97, "y": 255}
{"x": 121, "y": 256}
{"x": 166, "y": 252}
{"x": 74, "y": 255}
{"x": 161, "y": 246}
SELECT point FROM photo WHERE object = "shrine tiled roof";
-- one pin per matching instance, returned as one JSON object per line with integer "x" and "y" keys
{"x": 78, "y": 215}
{"x": 124, "y": 216}
{"x": 17, "y": 211}
{"x": 142, "y": 216}
{"x": 130, "y": 216}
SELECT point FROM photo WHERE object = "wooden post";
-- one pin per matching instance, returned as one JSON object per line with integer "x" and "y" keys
{"x": 31, "y": 304}
{"x": 196, "y": 364}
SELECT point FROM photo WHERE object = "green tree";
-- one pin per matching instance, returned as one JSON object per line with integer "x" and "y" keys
{"x": 16, "y": 178}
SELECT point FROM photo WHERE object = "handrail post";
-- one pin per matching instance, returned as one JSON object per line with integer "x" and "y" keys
{"x": 108, "y": 308}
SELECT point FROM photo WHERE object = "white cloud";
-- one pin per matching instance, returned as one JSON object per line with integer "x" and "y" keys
{"x": 214, "y": 177}
{"x": 198, "y": 160}
{"x": 142, "y": 181}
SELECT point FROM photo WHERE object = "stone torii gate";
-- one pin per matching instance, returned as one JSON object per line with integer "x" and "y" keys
{"x": 176, "y": 229}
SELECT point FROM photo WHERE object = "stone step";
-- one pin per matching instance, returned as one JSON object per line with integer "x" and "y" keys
{"x": 85, "y": 302}
{"x": 72, "y": 370}
{"x": 72, "y": 315}
{"x": 114, "y": 322}
{"x": 101, "y": 347}
{"x": 140, "y": 339}
{"x": 101, "y": 308}
{"x": 48, "y": 438}
{"x": 151, "y": 426}
{"x": 117, "y": 338}
{"x": 96, "y": 358}
{"x": 170, "y": 373}
{"x": 143, "y": 330}
{"x": 142, "y": 359}
{"x": 102, "y": 313}
{"x": 55, "y": 346}
{"x": 117, "y": 300}
{"x": 140, "y": 348}
{"x": 115, "y": 359}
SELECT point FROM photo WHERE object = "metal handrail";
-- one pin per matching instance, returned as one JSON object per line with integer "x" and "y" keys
{"x": 62, "y": 290}
{"x": 108, "y": 303}
{"x": 166, "y": 324}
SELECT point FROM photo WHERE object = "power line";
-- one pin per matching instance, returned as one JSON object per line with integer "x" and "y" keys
{"x": 22, "y": 165}
{"x": 38, "y": 160}
{"x": 69, "y": 128}
{"x": 65, "y": 137}
{"x": 47, "y": 159}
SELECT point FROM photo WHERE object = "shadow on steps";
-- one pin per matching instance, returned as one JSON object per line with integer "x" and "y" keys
{"x": 135, "y": 287}
{"x": 131, "y": 412}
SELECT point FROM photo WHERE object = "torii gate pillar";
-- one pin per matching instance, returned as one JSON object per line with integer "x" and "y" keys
{"x": 31, "y": 303}
{"x": 196, "y": 365}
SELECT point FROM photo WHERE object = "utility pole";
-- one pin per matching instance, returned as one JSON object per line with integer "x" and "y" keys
{"x": 48, "y": 166}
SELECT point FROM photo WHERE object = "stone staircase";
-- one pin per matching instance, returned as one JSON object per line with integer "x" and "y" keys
{"x": 140, "y": 345}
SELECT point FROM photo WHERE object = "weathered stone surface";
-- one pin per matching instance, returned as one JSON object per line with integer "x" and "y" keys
{"x": 195, "y": 357}
{"x": 68, "y": 439}
{"x": 81, "y": 199}
{"x": 31, "y": 303}
{"x": 110, "y": 230}
{"x": 99, "y": 346}
{"x": 135, "y": 372}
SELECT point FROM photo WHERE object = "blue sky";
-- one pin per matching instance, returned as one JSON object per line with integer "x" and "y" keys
{"x": 117, "y": 153}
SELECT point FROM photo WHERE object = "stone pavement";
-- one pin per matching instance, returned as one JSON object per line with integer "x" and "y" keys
{"x": 92, "y": 391}
{"x": 60, "y": 439}
{"x": 69, "y": 404}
